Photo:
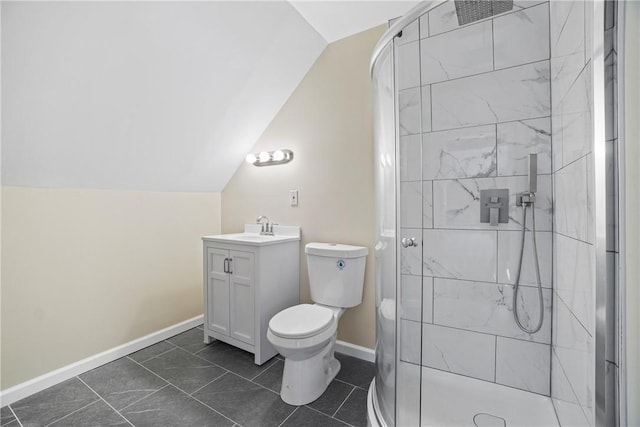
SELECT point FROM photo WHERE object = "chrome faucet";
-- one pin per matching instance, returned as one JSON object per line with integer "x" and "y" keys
{"x": 267, "y": 228}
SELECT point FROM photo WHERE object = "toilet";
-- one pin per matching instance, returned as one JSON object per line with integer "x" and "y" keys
{"x": 305, "y": 334}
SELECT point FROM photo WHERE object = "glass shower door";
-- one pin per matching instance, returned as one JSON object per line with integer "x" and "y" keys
{"x": 385, "y": 249}
{"x": 409, "y": 225}
{"x": 398, "y": 171}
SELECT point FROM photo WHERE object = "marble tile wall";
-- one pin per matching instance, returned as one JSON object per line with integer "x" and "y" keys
{"x": 573, "y": 341}
{"x": 474, "y": 101}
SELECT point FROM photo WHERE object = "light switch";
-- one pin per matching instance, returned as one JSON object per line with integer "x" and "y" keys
{"x": 293, "y": 197}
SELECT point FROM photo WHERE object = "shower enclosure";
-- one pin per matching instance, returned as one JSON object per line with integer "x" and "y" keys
{"x": 465, "y": 99}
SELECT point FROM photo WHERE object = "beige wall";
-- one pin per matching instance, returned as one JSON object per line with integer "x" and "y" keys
{"x": 328, "y": 123}
{"x": 88, "y": 270}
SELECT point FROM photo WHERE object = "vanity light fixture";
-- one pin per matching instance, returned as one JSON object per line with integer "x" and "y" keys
{"x": 269, "y": 158}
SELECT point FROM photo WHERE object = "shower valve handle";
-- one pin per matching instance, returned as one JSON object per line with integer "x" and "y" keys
{"x": 409, "y": 241}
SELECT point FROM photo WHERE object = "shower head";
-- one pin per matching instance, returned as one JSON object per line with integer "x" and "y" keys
{"x": 474, "y": 10}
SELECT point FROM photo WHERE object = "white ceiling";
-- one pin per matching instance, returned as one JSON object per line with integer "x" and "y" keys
{"x": 163, "y": 96}
{"x": 335, "y": 20}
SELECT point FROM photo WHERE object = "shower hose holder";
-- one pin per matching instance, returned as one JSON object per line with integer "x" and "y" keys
{"x": 525, "y": 198}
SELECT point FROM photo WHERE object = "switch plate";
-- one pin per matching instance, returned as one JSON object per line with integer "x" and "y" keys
{"x": 293, "y": 197}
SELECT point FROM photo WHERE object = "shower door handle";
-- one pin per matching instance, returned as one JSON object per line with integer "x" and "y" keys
{"x": 408, "y": 241}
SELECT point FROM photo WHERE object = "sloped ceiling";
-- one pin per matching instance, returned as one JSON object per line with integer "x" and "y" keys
{"x": 162, "y": 96}
{"x": 335, "y": 20}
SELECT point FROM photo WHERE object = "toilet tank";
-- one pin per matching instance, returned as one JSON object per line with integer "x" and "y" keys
{"x": 336, "y": 273}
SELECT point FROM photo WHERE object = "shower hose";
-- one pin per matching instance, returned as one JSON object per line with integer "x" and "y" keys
{"x": 525, "y": 205}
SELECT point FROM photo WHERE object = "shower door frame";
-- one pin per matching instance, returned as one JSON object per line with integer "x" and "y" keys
{"x": 600, "y": 198}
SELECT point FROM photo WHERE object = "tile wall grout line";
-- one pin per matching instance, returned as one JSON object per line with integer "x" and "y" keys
{"x": 495, "y": 360}
{"x": 484, "y": 282}
{"x": 507, "y": 13}
{"x": 343, "y": 402}
{"x": 566, "y": 377}
{"x": 482, "y": 333}
{"x": 101, "y": 398}
{"x": 573, "y": 314}
{"x": 511, "y": 67}
{"x": 433, "y": 300}
{"x": 526, "y": 119}
{"x": 575, "y": 239}
{"x": 493, "y": 45}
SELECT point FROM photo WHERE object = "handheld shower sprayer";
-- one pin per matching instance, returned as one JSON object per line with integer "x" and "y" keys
{"x": 527, "y": 199}
{"x": 533, "y": 173}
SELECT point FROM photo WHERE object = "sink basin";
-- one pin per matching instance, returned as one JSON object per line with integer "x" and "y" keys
{"x": 251, "y": 236}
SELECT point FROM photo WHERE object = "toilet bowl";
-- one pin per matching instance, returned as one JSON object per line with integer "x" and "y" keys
{"x": 305, "y": 334}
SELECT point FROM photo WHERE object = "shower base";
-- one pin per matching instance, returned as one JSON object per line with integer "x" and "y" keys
{"x": 455, "y": 400}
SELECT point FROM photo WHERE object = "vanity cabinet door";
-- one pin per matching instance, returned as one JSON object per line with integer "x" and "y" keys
{"x": 217, "y": 290}
{"x": 242, "y": 314}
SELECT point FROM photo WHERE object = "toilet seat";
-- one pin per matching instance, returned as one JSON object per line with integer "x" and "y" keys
{"x": 302, "y": 321}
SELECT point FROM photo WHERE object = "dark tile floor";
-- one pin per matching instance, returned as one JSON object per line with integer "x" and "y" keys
{"x": 183, "y": 382}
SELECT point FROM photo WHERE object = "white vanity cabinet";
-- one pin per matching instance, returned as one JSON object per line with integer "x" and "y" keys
{"x": 248, "y": 278}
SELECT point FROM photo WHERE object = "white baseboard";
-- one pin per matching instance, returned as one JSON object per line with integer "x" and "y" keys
{"x": 356, "y": 351}
{"x": 27, "y": 388}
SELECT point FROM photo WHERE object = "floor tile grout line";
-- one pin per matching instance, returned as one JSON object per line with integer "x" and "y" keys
{"x": 217, "y": 412}
{"x": 168, "y": 383}
{"x": 261, "y": 386}
{"x": 215, "y": 379}
{"x": 163, "y": 379}
{"x": 264, "y": 370}
{"x": 181, "y": 390}
{"x": 325, "y": 414}
{"x": 73, "y": 412}
{"x": 343, "y": 402}
{"x": 343, "y": 382}
{"x": 148, "y": 395}
{"x": 289, "y": 416}
{"x": 209, "y": 361}
{"x": 15, "y": 415}
{"x": 101, "y": 398}
{"x": 275, "y": 360}
{"x": 157, "y": 355}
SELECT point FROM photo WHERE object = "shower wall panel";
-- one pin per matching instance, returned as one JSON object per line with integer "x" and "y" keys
{"x": 573, "y": 358}
{"x": 474, "y": 101}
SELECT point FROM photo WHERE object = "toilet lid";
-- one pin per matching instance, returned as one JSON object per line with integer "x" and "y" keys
{"x": 301, "y": 321}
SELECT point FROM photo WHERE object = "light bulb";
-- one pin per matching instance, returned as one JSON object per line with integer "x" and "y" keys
{"x": 278, "y": 155}
{"x": 264, "y": 157}
{"x": 251, "y": 158}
